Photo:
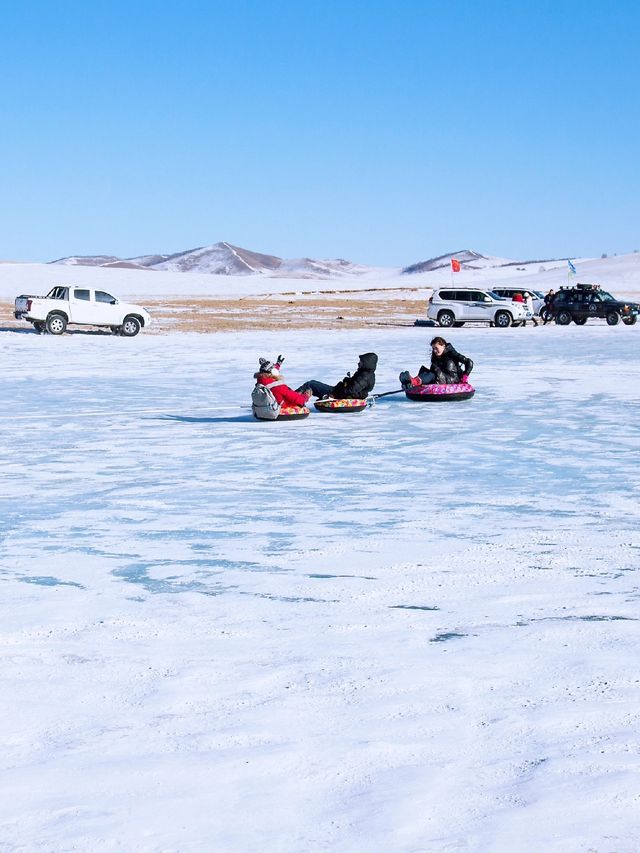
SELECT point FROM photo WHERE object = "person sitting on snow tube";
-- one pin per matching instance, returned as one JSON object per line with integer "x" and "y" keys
{"x": 356, "y": 387}
{"x": 268, "y": 373}
{"x": 448, "y": 367}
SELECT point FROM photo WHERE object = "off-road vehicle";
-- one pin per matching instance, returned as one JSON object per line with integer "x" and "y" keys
{"x": 583, "y": 301}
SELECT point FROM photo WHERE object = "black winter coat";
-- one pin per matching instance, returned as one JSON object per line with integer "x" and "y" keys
{"x": 361, "y": 384}
{"x": 450, "y": 367}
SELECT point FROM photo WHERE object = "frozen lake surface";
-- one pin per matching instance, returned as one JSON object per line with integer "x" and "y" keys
{"x": 411, "y": 629}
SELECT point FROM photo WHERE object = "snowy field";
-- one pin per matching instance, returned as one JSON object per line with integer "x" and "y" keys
{"x": 411, "y": 629}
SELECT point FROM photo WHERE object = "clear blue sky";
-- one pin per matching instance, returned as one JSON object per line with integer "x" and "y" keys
{"x": 380, "y": 131}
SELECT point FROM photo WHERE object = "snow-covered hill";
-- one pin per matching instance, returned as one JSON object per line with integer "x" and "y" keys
{"x": 469, "y": 260}
{"x": 224, "y": 259}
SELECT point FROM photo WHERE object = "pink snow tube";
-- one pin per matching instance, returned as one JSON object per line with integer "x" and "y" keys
{"x": 440, "y": 393}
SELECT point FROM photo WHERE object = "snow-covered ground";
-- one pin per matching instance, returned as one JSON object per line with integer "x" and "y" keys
{"x": 411, "y": 629}
{"x": 619, "y": 274}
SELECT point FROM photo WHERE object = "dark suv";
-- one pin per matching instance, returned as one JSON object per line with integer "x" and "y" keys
{"x": 588, "y": 300}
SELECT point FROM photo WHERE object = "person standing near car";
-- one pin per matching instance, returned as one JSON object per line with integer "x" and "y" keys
{"x": 448, "y": 367}
{"x": 528, "y": 301}
{"x": 545, "y": 313}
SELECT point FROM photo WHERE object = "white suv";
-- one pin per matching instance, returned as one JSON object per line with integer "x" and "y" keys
{"x": 455, "y": 306}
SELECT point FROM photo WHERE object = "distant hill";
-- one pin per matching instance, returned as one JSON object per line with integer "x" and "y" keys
{"x": 467, "y": 257}
{"x": 224, "y": 259}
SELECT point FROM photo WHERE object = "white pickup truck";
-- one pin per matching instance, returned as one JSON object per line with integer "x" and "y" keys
{"x": 81, "y": 306}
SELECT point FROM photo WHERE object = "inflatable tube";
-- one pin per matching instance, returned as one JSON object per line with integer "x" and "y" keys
{"x": 440, "y": 393}
{"x": 293, "y": 413}
{"x": 288, "y": 413}
{"x": 341, "y": 407}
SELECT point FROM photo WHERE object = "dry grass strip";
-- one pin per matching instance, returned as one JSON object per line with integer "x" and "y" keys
{"x": 198, "y": 314}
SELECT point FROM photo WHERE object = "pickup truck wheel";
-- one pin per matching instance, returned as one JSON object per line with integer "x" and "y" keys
{"x": 563, "y": 318}
{"x": 130, "y": 326}
{"x": 56, "y": 324}
{"x": 503, "y": 319}
{"x": 613, "y": 318}
{"x": 630, "y": 321}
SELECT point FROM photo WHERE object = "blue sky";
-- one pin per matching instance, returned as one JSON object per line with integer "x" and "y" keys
{"x": 384, "y": 132}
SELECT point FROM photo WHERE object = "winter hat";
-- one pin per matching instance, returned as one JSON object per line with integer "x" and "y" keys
{"x": 267, "y": 366}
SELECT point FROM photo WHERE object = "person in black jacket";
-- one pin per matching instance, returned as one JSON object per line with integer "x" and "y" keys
{"x": 448, "y": 367}
{"x": 356, "y": 387}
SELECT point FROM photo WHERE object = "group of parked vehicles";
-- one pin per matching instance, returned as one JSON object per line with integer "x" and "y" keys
{"x": 455, "y": 306}
{"x": 448, "y": 307}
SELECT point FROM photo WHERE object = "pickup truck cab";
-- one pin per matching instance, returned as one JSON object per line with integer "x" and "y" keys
{"x": 80, "y": 306}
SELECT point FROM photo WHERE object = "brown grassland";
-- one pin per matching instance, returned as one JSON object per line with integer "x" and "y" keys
{"x": 206, "y": 315}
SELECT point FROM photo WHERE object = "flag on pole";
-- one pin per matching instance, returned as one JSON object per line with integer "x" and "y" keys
{"x": 572, "y": 269}
{"x": 455, "y": 265}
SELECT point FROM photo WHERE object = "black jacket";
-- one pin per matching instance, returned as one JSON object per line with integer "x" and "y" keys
{"x": 361, "y": 384}
{"x": 449, "y": 367}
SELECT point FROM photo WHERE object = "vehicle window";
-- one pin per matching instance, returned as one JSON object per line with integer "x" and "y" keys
{"x": 606, "y": 297}
{"x": 463, "y": 295}
{"x": 479, "y": 296}
{"x": 58, "y": 292}
{"x": 446, "y": 294}
{"x": 82, "y": 294}
{"x": 102, "y": 296}
{"x": 495, "y": 294}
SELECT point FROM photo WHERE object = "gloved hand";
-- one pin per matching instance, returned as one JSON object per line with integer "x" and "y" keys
{"x": 465, "y": 379}
{"x": 279, "y": 359}
{"x": 415, "y": 381}
{"x": 405, "y": 378}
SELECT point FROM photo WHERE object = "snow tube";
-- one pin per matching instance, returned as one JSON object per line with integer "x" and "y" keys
{"x": 340, "y": 406}
{"x": 289, "y": 413}
{"x": 440, "y": 393}
{"x": 293, "y": 413}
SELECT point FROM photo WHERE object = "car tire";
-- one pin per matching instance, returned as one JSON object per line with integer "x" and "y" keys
{"x": 446, "y": 319}
{"x": 458, "y": 324}
{"x": 579, "y": 321}
{"x": 56, "y": 324}
{"x": 130, "y": 326}
{"x": 503, "y": 319}
{"x": 630, "y": 321}
{"x": 563, "y": 318}
{"x": 613, "y": 318}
